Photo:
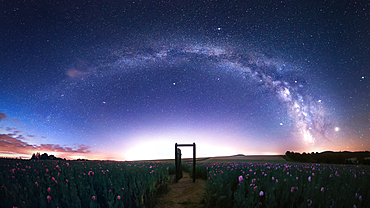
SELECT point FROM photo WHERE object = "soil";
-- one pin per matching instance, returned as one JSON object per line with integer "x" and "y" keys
{"x": 185, "y": 193}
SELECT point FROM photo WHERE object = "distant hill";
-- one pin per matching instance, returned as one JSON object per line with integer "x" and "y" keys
{"x": 248, "y": 158}
{"x": 234, "y": 158}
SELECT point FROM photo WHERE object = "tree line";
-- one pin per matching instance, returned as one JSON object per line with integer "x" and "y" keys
{"x": 330, "y": 157}
{"x": 44, "y": 156}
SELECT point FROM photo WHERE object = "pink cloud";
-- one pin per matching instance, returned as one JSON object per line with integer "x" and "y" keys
{"x": 74, "y": 73}
{"x": 2, "y": 116}
{"x": 16, "y": 146}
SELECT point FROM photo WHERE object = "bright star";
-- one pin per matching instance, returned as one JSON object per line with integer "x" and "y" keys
{"x": 336, "y": 128}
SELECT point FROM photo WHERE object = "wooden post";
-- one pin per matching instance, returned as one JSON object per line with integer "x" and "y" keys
{"x": 178, "y": 161}
{"x": 176, "y": 176}
{"x": 194, "y": 161}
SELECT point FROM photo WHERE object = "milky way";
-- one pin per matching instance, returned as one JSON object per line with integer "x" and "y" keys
{"x": 104, "y": 78}
{"x": 262, "y": 73}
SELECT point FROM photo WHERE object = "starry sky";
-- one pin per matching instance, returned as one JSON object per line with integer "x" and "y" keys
{"x": 126, "y": 80}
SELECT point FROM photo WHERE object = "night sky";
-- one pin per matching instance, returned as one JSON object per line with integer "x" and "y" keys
{"x": 126, "y": 80}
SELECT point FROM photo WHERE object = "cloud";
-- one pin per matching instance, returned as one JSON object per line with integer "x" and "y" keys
{"x": 13, "y": 145}
{"x": 74, "y": 73}
{"x": 10, "y": 145}
{"x": 2, "y": 116}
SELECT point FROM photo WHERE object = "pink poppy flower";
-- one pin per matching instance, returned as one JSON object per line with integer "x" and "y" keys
{"x": 118, "y": 197}
{"x": 309, "y": 202}
{"x": 93, "y": 197}
{"x": 48, "y": 198}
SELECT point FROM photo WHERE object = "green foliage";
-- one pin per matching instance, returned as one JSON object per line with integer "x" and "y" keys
{"x": 284, "y": 185}
{"x": 81, "y": 183}
{"x": 135, "y": 184}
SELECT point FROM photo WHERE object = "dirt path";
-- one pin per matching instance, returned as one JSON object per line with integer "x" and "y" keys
{"x": 185, "y": 193}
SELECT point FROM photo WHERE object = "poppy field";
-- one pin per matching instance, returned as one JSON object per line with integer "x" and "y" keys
{"x": 285, "y": 185}
{"x": 135, "y": 184}
{"x": 81, "y": 183}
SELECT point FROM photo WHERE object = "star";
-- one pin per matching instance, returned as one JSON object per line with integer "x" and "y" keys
{"x": 238, "y": 74}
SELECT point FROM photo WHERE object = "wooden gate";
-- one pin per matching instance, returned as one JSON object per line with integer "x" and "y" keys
{"x": 178, "y": 160}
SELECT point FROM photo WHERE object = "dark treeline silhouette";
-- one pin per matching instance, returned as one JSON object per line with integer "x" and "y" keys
{"x": 44, "y": 156}
{"x": 331, "y": 157}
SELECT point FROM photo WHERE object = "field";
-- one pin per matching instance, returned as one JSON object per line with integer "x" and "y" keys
{"x": 137, "y": 184}
{"x": 250, "y": 184}
{"x": 81, "y": 184}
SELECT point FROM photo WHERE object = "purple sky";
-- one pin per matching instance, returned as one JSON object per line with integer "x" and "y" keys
{"x": 127, "y": 80}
